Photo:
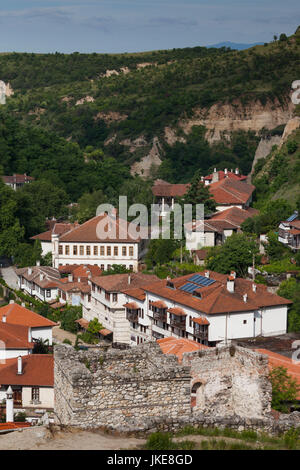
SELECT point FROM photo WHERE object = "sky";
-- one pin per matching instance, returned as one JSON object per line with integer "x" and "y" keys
{"x": 140, "y": 25}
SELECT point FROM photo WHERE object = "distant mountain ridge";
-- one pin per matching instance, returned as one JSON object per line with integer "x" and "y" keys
{"x": 235, "y": 45}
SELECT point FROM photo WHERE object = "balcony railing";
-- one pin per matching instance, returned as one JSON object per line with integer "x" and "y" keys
{"x": 132, "y": 315}
{"x": 178, "y": 322}
{"x": 202, "y": 334}
{"x": 160, "y": 315}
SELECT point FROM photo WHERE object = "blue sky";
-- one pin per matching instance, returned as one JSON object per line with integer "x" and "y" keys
{"x": 139, "y": 25}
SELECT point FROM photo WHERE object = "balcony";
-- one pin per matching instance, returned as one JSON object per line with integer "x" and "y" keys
{"x": 160, "y": 315}
{"x": 201, "y": 333}
{"x": 132, "y": 315}
{"x": 201, "y": 328}
{"x": 178, "y": 322}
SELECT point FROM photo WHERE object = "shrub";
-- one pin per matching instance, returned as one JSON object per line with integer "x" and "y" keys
{"x": 160, "y": 441}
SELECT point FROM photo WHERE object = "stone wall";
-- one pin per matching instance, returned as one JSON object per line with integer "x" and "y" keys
{"x": 141, "y": 390}
{"x": 234, "y": 381}
{"x": 116, "y": 388}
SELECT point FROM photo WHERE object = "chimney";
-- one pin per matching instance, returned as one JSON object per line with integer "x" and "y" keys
{"x": 254, "y": 287}
{"x": 202, "y": 178}
{"x": 215, "y": 176}
{"x": 79, "y": 279}
{"x": 29, "y": 335}
{"x": 4, "y": 319}
{"x": 233, "y": 274}
{"x": 129, "y": 279}
{"x": 225, "y": 171}
{"x": 29, "y": 271}
{"x": 236, "y": 171}
{"x": 230, "y": 284}
{"x": 23, "y": 304}
{"x": 20, "y": 371}
{"x": 38, "y": 263}
{"x": 41, "y": 277}
{"x": 11, "y": 301}
{"x": 70, "y": 277}
{"x": 207, "y": 274}
{"x": 245, "y": 297}
{"x": 9, "y": 405}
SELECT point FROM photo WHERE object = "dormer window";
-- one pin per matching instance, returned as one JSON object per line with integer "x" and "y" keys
{"x": 170, "y": 284}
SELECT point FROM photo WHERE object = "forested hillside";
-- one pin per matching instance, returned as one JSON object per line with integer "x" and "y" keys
{"x": 102, "y": 103}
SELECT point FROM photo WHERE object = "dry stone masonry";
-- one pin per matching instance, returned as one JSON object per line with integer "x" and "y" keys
{"x": 142, "y": 390}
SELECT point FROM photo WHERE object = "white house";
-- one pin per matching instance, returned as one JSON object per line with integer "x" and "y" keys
{"x": 289, "y": 232}
{"x": 32, "y": 381}
{"x": 46, "y": 237}
{"x": 108, "y": 299}
{"x": 207, "y": 307}
{"x": 41, "y": 327}
{"x": 103, "y": 241}
{"x": 15, "y": 340}
{"x": 17, "y": 181}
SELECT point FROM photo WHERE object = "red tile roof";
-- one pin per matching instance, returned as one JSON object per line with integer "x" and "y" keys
{"x": 83, "y": 323}
{"x": 17, "y": 179}
{"x": 121, "y": 282}
{"x": 222, "y": 175}
{"x": 216, "y": 298}
{"x": 277, "y": 360}
{"x": 229, "y": 191}
{"x": 179, "y": 312}
{"x": 18, "y": 315}
{"x": 15, "y": 336}
{"x": 105, "y": 332}
{"x": 179, "y": 346}
{"x": 135, "y": 292}
{"x": 38, "y": 370}
{"x": 58, "y": 229}
{"x": 131, "y": 305}
{"x": 201, "y": 321}
{"x": 115, "y": 231}
{"x": 12, "y": 426}
{"x": 233, "y": 215}
{"x": 170, "y": 190}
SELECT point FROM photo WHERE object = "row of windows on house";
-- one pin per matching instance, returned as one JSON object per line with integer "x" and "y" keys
{"x": 87, "y": 250}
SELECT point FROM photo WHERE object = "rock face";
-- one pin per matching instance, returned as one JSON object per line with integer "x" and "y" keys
{"x": 264, "y": 148}
{"x": 5, "y": 91}
{"x": 222, "y": 119}
{"x": 141, "y": 388}
{"x": 143, "y": 167}
{"x": 291, "y": 126}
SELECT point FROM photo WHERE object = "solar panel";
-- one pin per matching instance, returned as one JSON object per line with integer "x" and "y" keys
{"x": 201, "y": 280}
{"x": 293, "y": 217}
{"x": 189, "y": 287}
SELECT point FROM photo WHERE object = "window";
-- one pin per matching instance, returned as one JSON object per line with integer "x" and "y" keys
{"x": 60, "y": 250}
{"x": 101, "y": 250}
{"x": 48, "y": 293}
{"x": 124, "y": 251}
{"x": 116, "y": 251}
{"x": 102, "y": 267}
{"x": 95, "y": 250}
{"x": 115, "y": 297}
{"x": 88, "y": 250}
{"x": 108, "y": 251}
{"x": 35, "y": 394}
{"x": 75, "y": 250}
{"x": 67, "y": 250}
{"x": 244, "y": 321}
{"x": 131, "y": 251}
{"x": 81, "y": 250}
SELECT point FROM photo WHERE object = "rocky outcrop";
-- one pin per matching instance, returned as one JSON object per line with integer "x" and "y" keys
{"x": 264, "y": 148}
{"x": 221, "y": 120}
{"x": 291, "y": 126}
{"x": 152, "y": 159}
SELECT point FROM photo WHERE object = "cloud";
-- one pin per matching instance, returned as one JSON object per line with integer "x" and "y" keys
{"x": 166, "y": 21}
{"x": 100, "y": 23}
{"x": 57, "y": 15}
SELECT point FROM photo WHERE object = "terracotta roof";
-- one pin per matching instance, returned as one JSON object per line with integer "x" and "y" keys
{"x": 17, "y": 179}
{"x": 179, "y": 346}
{"x": 38, "y": 370}
{"x": 277, "y": 360}
{"x": 80, "y": 270}
{"x": 43, "y": 276}
{"x": 216, "y": 299}
{"x": 18, "y": 315}
{"x": 105, "y": 332}
{"x": 131, "y": 305}
{"x": 83, "y": 323}
{"x": 201, "y": 254}
{"x": 15, "y": 336}
{"x": 159, "y": 304}
{"x": 201, "y": 321}
{"x": 11, "y": 426}
{"x": 233, "y": 215}
{"x": 179, "y": 312}
{"x": 58, "y": 229}
{"x": 121, "y": 282}
{"x": 295, "y": 231}
{"x": 222, "y": 175}
{"x": 115, "y": 231}
{"x": 229, "y": 191}
{"x": 135, "y": 292}
{"x": 170, "y": 190}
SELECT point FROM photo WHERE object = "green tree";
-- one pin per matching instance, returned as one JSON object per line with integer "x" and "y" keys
{"x": 198, "y": 193}
{"x": 11, "y": 232}
{"x": 284, "y": 389}
{"x": 289, "y": 289}
{"x": 160, "y": 251}
{"x": 87, "y": 205}
{"x": 94, "y": 326}
{"x": 236, "y": 254}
